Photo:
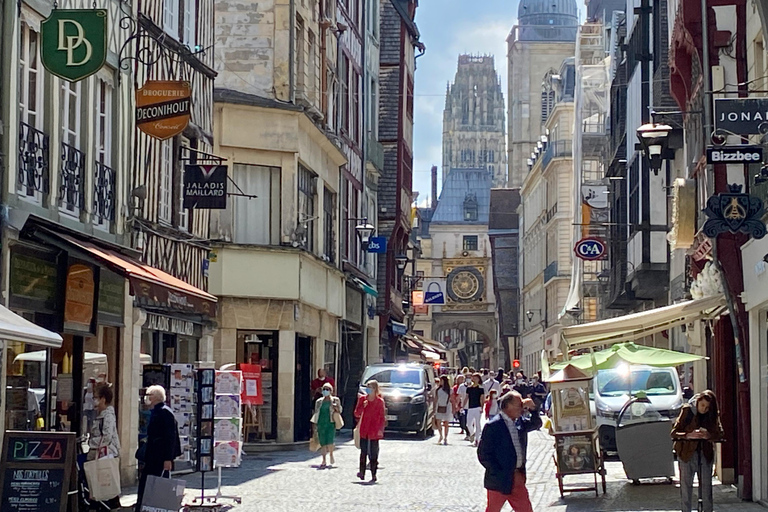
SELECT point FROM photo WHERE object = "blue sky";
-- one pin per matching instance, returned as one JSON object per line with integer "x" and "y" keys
{"x": 449, "y": 28}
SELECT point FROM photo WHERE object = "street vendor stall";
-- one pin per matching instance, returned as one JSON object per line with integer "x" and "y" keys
{"x": 577, "y": 450}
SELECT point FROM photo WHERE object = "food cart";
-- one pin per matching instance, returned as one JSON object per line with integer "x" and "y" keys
{"x": 577, "y": 449}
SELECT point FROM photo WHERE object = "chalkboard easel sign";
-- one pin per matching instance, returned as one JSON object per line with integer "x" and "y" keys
{"x": 36, "y": 467}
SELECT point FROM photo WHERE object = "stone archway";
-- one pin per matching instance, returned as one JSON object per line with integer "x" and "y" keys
{"x": 484, "y": 324}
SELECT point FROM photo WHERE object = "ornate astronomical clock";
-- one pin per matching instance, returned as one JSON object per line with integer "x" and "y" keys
{"x": 466, "y": 285}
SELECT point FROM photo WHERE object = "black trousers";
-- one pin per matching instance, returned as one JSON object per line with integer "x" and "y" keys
{"x": 463, "y": 421}
{"x": 369, "y": 450}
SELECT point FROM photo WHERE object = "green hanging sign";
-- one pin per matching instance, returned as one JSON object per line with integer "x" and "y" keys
{"x": 74, "y": 42}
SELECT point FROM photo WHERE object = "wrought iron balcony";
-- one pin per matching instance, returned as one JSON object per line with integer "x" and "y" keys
{"x": 104, "y": 194}
{"x": 556, "y": 149}
{"x": 33, "y": 171}
{"x": 71, "y": 179}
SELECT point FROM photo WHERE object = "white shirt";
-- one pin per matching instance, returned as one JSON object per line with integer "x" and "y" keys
{"x": 515, "y": 434}
{"x": 492, "y": 384}
{"x": 462, "y": 392}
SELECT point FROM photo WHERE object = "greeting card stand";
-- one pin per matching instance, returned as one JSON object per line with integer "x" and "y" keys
{"x": 577, "y": 448}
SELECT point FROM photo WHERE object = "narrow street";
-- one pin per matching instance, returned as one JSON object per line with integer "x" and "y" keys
{"x": 419, "y": 475}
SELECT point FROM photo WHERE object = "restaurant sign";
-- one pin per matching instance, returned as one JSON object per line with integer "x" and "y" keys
{"x": 205, "y": 186}
{"x": 79, "y": 298}
{"x": 742, "y": 116}
{"x": 163, "y": 107}
{"x": 74, "y": 42}
{"x": 734, "y": 212}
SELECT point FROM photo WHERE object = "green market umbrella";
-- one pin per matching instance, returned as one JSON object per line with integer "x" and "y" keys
{"x": 629, "y": 353}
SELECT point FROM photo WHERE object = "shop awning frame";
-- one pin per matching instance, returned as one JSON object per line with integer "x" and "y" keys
{"x": 14, "y": 327}
{"x": 639, "y": 325}
{"x": 146, "y": 282}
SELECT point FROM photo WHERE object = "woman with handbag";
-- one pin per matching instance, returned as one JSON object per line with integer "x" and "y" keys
{"x": 371, "y": 416}
{"x": 444, "y": 412}
{"x": 104, "y": 442}
{"x": 327, "y": 419}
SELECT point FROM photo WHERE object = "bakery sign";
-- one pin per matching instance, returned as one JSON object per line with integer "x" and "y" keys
{"x": 742, "y": 116}
{"x": 163, "y": 107}
{"x": 205, "y": 186}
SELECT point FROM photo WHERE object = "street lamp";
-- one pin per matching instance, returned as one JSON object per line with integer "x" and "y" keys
{"x": 364, "y": 232}
{"x": 654, "y": 139}
{"x": 401, "y": 260}
{"x": 529, "y": 314}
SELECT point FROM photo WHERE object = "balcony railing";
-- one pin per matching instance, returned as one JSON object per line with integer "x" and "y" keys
{"x": 556, "y": 149}
{"x": 551, "y": 213}
{"x": 72, "y": 179}
{"x": 33, "y": 169}
{"x": 376, "y": 154}
{"x": 104, "y": 195}
{"x": 550, "y": 271}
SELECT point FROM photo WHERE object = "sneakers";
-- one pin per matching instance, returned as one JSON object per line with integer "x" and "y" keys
{"x": 360, "y": 476}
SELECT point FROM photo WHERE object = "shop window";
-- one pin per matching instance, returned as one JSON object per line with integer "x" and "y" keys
{"x": 329, "y": 360}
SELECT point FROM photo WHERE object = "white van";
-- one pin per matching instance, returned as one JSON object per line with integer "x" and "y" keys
{"x": 611, "y": 392}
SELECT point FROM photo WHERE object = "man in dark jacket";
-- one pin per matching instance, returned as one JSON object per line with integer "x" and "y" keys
{"x": 163, "y": 444}
{"x": 502, "y": 452}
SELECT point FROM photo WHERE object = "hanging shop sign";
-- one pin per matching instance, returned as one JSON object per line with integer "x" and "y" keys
{"x": 734, "y": 155}
{"x": 590, "y": 249}
{"x": 205, "y": 186}
{"x": 741, "y": 116}
{"x": 434, "y": 294}
{"x": 417, "y": 298}
{"x": 79, "y": 298}
{"x": 74, "y": 42}
{"x": 377, "y": 245}
{"x": 734, "y": 212}
{"x": 163, "y": 107}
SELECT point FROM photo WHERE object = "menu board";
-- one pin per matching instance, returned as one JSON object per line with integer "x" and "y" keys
{"x": 36, "y": 470}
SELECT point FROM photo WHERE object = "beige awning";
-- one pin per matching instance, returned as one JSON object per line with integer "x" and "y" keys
{"x": 16, "y": 328}
{"x": 638, "y": 325}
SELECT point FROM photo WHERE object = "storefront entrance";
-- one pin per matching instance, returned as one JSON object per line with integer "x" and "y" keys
{"x": 260, "y": 348}
{"x": 303, "y": 406}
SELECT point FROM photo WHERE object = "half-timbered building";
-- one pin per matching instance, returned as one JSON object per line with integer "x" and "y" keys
{"x": 95, "y": 245}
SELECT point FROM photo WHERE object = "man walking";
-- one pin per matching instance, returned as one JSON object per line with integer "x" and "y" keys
{"x": 502, "y": 451}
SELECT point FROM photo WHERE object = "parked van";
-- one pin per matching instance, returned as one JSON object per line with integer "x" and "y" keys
{"x": 611, "y": 392}
{"x": 408, "y": 393}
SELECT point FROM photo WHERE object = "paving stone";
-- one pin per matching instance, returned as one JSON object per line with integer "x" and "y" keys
{"x": 419, "y": 475}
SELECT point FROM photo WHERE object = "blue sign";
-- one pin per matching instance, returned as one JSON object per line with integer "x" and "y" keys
{"x": 399, "y": 329}
{"x": 377, "y": 245}
{"x": 432, "y": 296}
{"x": 590, "y": 249}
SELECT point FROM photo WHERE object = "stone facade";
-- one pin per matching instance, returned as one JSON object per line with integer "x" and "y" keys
{"x": 473, "y": 119}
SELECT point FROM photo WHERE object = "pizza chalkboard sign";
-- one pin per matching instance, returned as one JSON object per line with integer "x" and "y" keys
{"x": 36, "y": 468}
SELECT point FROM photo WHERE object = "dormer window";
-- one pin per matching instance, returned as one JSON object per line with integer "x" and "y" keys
{"x": 470, "y": 208}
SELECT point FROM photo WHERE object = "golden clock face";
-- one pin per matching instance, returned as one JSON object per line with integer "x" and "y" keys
{"x": 465, "y": 285}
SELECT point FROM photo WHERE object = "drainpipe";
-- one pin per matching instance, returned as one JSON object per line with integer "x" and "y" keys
{"x": 292, "y": 52}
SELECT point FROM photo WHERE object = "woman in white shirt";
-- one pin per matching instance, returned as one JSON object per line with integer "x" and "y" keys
{"x": 444, "y": 411}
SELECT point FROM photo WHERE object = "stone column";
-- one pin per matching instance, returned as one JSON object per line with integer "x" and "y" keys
{"x": 286, "y": 370}
{"x": 130, "y": 383}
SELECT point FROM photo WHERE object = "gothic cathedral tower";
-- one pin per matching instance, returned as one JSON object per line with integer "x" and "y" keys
{"x": 544, "y": 36}
{"x": 473, "y": 120}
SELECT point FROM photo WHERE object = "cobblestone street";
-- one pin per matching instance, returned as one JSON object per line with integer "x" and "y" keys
{"x": 419, "y": 475}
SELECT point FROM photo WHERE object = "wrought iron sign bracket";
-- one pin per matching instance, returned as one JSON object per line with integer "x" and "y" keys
{"x": 198, "y": 157}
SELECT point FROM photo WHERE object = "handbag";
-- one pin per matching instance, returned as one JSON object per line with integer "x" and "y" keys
{"x": 162, "y": 494}
{"x": 314, "y": 443}
{"x": 356, "y": 431}
{"x": 442, "y": 409}
{"x": 103, "y": 477}
{"x": 338, "y": 420}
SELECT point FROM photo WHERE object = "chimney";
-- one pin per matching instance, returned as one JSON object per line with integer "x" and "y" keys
{"x": 434, "y": 186}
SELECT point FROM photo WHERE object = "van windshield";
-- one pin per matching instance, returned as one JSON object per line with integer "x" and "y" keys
{"x": 652, "y": 382}
{"x": 394, "y": 377}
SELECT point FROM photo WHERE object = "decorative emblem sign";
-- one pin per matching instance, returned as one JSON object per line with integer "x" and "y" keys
{"x": 590, "y": 249}
{"x": 734, "y": 212}
{"x": 162, "y": 107}
{"x": 74, "y": 42}
{"x": 205, "y": 186}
